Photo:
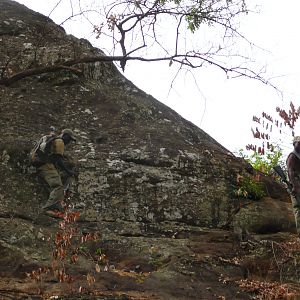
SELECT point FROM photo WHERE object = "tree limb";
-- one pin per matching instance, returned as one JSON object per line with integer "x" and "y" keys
{"x": 182, "y": 59}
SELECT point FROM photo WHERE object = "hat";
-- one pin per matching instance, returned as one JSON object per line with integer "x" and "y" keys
{"x": 296, "y": 139}
{"x": 70, "y": 133}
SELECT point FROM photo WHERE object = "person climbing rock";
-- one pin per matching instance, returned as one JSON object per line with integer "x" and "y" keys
{"x": 52, "y": 169}
{"x": 293, "y": 168}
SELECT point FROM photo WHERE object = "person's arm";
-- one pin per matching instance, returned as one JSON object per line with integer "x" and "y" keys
{"x": 57, "y": 157}
{"x": 293, "y": 174}
{"x": 58, "y": 160}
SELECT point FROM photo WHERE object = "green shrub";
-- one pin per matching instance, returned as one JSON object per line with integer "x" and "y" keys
{"x": 250, "y": 188}
{"x": 264, "y": 163}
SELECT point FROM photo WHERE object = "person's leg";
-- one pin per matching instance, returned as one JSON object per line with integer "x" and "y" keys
{"x": 69, "y": 185}
{"x": 53, "y": 179}
{"x": 296, "y": 209}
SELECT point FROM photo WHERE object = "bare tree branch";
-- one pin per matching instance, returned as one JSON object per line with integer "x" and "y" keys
{"x": 182, "y": 59}
{"x": 133, "y": 25}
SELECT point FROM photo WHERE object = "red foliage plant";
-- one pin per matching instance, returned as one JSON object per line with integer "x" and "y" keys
{"x": 67, "y": 244}
{"x": 264, "y": 131}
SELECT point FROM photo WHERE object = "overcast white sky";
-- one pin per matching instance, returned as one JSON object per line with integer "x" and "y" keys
{"x": 223, "y": 107}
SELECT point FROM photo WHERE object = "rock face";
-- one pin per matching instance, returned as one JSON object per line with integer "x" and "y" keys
{"x": 155, "y": 187}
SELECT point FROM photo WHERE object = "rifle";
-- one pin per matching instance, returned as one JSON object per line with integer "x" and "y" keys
{"x": 283, "y": 178}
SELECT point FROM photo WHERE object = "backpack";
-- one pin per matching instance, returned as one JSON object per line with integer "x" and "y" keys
{"x": 39, "y": 154}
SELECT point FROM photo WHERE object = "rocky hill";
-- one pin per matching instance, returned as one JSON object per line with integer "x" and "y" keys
{"x": 156, "y": 191}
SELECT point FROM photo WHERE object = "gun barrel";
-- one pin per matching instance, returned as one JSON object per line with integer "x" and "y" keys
{"x": 280, "y": 172}
{"x": 283, "y": 177}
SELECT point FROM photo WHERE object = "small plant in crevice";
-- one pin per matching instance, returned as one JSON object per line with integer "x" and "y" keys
{"x": 67, "y": 245}
{"x": 249, "y": 187}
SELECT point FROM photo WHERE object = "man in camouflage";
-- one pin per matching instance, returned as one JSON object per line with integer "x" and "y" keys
{"x": 50, "y": 171}
{"x": 293, "y": 168}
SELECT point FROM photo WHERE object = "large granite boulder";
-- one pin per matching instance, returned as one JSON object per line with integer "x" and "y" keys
{"x": 148, "y": 178}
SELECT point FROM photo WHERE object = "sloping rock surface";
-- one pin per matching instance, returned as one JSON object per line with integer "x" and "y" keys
{"x": 156, "y": 189}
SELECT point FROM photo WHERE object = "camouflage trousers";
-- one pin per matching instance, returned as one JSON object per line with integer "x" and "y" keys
{"x": 57, "y": 189}
{"x": 296, "y": 209}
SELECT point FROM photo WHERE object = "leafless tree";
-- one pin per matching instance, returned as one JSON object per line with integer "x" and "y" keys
{"x": 191, "y": 33}
{"x": 170, "y": 27}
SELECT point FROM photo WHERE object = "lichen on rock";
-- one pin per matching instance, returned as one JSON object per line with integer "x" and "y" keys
{"x": 156, "y": 187}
